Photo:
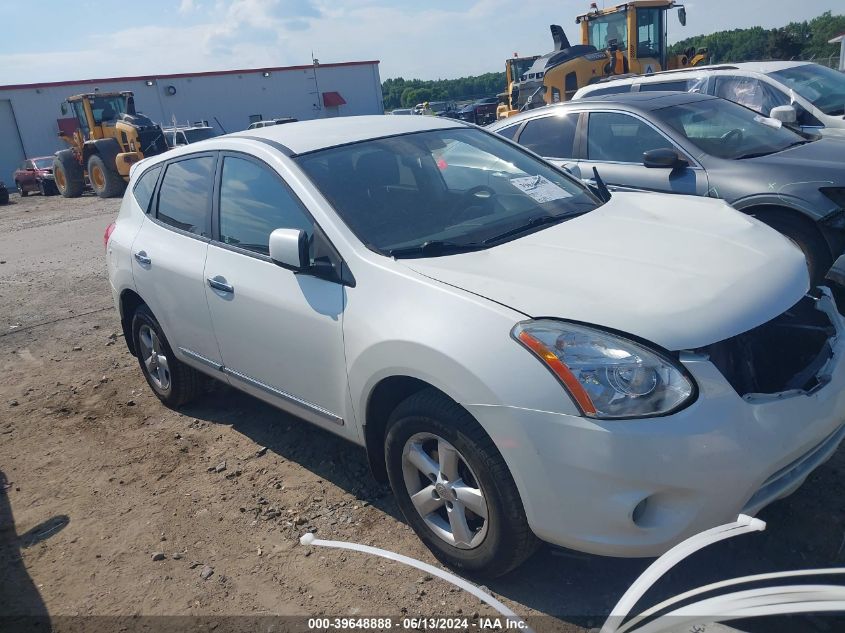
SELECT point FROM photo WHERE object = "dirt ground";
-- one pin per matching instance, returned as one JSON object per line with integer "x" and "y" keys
{"x": 101, "y": 477}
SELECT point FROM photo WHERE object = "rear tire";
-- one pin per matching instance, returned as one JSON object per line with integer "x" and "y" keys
{"x": 68, "y": 174}
{"x": 806, "y": 237}
{"x": 4, "y": 195}
{"x": 492, "y": 545}
{"x": 173, "y": 382}
{"x": 105, "y": 181}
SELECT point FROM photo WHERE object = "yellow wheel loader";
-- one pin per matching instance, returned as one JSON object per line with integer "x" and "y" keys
{"x": 515, "y": 68}
{"x": 629, "y": 38}
{"x": 110, "y": 137}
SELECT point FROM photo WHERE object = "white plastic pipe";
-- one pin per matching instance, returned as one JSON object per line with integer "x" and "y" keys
{"x": 516, "y": 622}
{"x": 658, "y": 568}
{"x": 632, "y": 623}
{"x": 753, "y": 603}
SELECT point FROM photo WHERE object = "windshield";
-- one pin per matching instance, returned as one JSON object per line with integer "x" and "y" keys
{"x": 43, "y": 163}
{"x": 107, "y": 108}
{"x": 820, "y": 85}
{"x": 441, "y": 191}
{"x": 727, "y": 130}
{"x": 520, "y": 66}
{"x": 609, "y": 29}
{"x": 200, "y": 134}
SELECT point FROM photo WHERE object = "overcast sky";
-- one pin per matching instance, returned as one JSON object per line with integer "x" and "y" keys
{"x": 55, "y": 40}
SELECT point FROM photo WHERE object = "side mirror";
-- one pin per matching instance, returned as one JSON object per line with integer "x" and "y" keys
{"x": 289, "y": 248}
{"x": 664, "y": 158}
{"x": 64, "y": 107}
{"x": 784, "y": 114}
{"x": 682, "y": 16}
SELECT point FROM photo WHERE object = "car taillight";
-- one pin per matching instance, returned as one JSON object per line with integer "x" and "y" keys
{"x": 107, "y": 234}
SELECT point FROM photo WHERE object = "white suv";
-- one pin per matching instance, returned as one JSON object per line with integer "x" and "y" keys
{"x": 519, "y": 357}
{"x": 813, "y": 95}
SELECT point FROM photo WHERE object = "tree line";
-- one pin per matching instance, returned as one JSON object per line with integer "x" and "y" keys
{"x": 406, "y": 93}
{"x": 796, "y": 40}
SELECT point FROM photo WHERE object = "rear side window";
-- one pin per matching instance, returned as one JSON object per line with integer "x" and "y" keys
{"x": 143, "y": 190}
{"x": 621, "y": 138}
{"x": 184, "y": 199}
{"x": 664, "y": 86}
{"x": 749, "y": 92}
{"x": 551, "y": 136}
{"x": 253, "y": 203}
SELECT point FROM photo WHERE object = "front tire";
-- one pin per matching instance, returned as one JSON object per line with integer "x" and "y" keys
{"x": 68, "y": 174}
{"x": 105, "y": 181}
{"x": 173, "y": 382}
{"x": 454, "y": 488}
{"x": 23, "y": 192}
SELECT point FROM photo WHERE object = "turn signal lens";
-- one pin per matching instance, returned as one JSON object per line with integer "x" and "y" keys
{"x": 608, "y": 376}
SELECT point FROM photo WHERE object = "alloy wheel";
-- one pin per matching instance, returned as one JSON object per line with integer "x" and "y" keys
{"x": 444, "y": 490}
{"x": 155, "y": 360}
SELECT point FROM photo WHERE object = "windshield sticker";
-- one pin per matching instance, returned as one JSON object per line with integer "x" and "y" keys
{"x": 540, "y": 189}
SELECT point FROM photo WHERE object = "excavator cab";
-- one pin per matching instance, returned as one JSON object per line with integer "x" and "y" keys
{"x": 515, "y": 68}
{"x": 637, "y": 30}
{"x": 93, "y": 110}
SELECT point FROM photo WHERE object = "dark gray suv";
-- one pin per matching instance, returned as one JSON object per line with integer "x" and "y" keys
{"x": 700, "y": 145}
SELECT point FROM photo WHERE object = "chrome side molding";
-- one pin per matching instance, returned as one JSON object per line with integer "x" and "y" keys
{"x": 290, "y": 399}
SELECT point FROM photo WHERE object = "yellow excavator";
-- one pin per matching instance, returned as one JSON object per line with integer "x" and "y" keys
{"x": 109, "y": 137}
{"x": 629, "y": 38}
{"x": 515, "y": 68}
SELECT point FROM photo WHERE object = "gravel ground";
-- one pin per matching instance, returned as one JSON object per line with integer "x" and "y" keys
{"x": 116, "y": 505}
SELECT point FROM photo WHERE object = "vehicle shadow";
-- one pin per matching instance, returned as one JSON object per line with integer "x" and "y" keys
{"x": 21, "y": 606}
{"x": 326, "y": 455}
{"x": 803, "y": 531}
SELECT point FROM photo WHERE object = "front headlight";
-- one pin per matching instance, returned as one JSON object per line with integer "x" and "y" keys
{"x": 607, "y": 375}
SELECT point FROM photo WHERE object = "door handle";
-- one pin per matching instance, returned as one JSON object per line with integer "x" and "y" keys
{"x": 217, "y": 284}
{"x": 141, "y": 257}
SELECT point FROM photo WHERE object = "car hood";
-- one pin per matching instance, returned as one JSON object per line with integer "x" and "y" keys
{"x": 824, "y": 153}
{"x": 680, "y": 271}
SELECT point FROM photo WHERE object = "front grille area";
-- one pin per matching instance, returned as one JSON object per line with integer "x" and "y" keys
{"x": 783, "y": 354}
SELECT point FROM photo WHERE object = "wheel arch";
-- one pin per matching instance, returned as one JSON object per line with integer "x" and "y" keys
{"x": 106, "y": 148}
{"x": 764, "y": 209}
{"x": 129, "y": 302}
{"x": 383, "y": 399}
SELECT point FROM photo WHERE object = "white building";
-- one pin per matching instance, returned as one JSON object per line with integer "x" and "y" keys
{"x": 229, "y": 100}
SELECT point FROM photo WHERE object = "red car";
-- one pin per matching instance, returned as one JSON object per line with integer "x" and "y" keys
{"x": 36, "y": 174}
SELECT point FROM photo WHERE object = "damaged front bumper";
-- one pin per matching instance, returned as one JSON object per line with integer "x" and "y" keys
{"x": 637, "y": 487}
